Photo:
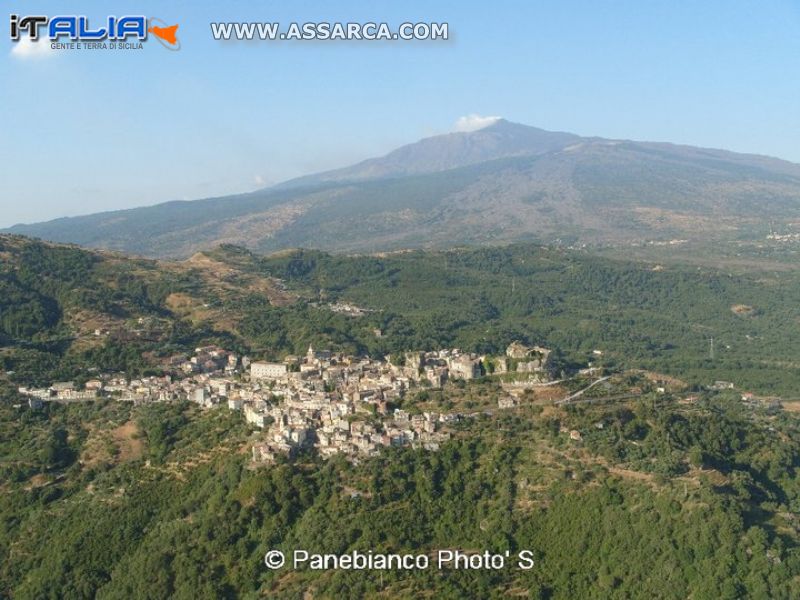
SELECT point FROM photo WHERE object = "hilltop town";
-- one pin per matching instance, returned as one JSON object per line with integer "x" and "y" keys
{"x": 333, "y": 403}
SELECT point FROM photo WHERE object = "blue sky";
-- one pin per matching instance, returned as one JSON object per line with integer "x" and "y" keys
{"x": 85, "y": 131}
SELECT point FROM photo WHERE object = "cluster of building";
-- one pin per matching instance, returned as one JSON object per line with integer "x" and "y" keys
{"x": 351, "y": 310}
{"x": 334, "y": 403}
{"x": 62, "y": 390}
{"x": 345, "y": 405}
{"x": 784, "y": 237}
{"x": 342, "y": 404}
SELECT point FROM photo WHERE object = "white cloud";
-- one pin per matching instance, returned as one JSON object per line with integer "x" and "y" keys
{"x": 474, "y": 122}
{"x": 26, "y": 48}
{"x": 259, "y": 180}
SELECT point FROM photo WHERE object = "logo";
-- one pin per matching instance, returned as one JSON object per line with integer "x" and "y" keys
{"x": 165, "y": 35}
{"x": 76, "y": 32}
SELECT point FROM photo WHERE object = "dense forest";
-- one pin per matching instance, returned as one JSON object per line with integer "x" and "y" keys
{"x": 104, "y": 500}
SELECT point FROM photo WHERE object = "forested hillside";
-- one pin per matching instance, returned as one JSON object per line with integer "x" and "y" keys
{"x": 638, "y": 314}
{"x": 666, "y": 501}
{"x": 644, "y": 494}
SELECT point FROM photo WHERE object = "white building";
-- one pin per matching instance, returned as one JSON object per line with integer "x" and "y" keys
{"x": 254, "y": 417}
{"x": 266, "y": 370}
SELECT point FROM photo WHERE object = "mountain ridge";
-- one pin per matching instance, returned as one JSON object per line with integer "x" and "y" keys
{"x": 503, "y": 183}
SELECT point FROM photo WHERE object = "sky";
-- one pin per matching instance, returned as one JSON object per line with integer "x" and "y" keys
{"x": 85, "y": 131}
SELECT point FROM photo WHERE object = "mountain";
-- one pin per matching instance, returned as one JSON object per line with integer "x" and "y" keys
{"x": 504, "y": 183}
{"x": 502, "y": 139}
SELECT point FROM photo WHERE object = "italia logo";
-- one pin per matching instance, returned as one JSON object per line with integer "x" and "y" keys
{"x": 76, "y": 28}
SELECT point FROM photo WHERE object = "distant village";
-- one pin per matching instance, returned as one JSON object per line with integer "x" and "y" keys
{"x": 334, "y": 403}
